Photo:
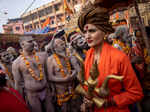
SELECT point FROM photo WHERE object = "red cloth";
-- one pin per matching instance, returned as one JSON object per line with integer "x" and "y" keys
{"x": 9, "y": 103}
{"x": 137, "y": 51}
{"x": 113, "y": 61}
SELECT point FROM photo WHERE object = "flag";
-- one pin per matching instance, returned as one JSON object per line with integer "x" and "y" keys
{"x": 47, "y": 21}
{"x": 117, "y": 15}
{"x": 66, "y": 8}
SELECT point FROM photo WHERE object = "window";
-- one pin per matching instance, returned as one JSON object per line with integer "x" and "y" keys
{"x": 17, "y": 28}
{"x": 49, "y": 10}
{"x": 52, "y": 22}
{"x": 27, "y": 19}
{"x": 41, "y": 13}
{"x": 57, "y": 7}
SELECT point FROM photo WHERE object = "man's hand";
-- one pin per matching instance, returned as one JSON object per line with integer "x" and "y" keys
{"x": 104, "y": 92}
{"x": 83, "y": 107}
{"x": 87, "y": 104}
{"x": 109, "y": 102}
{"x": 72, "y": 75}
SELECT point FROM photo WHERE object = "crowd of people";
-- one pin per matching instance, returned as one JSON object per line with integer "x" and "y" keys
{"x": 100, "y": 69}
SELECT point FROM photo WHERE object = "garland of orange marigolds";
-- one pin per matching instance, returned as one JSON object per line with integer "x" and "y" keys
{"x": 31, "y": 70}
{"x": 60, "y": 65}
{"x": 64, "y": 97}
{"x": 124, "y": 47}
{"x": 7, "y": 71}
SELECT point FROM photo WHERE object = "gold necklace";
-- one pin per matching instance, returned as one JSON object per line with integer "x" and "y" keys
{"x": 32, "y": 73}
{"x": 60, "y": 65}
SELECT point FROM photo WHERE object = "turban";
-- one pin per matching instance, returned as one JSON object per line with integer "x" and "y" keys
{"x": 97, "y": 16}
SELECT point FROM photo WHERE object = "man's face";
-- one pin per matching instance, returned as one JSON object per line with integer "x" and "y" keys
{"x": 60, "y": 46}
{"x": 7, "y": 57}
{"x": 78, "y": 41}
{"x": 28, "y": 44}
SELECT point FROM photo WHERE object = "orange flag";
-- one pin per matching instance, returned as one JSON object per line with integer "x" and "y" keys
{"x": 66, "y": 8}
{"x": 47, "y": 21}
{"x": 117, "y": 15}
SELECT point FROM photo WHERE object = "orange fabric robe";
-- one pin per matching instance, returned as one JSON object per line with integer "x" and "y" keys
{"x": 113, "y": 61}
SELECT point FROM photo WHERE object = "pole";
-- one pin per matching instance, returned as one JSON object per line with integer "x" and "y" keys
{"x": 72, "y": 5}
{"x": 55, "y": 16}
{"x": 39, "y": 18}
{"x": 143, "y": 30}
{"x": 32, "y": 21}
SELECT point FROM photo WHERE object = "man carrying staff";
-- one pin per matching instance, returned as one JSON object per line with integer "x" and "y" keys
{"x": 30, "y": 76}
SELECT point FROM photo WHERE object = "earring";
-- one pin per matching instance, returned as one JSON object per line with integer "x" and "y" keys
{"x": 105, "y": 37}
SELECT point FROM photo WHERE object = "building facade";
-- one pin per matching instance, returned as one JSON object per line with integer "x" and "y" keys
{"x": 144, "y": 9}
{"x": 129, "y": 14}
{"x": 53, "y": 12}
{"x": 14, "y": 26}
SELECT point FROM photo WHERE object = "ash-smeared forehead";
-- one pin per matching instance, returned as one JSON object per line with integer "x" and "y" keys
{"x": 58, "y": 41}
{"x": 25, "y": 38}
{"x": 4, "y": 53}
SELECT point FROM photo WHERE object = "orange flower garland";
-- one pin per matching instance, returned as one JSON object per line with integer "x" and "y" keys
{"x": 124, "y": 47}
{"x": 64, "y": 97}
{"x": 6, "y": 70}
{"x": 30, "y": 69}
{"x": 60, "y": 65}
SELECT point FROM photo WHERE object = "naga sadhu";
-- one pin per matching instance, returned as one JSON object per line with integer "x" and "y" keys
{"x": 102, "y": 60}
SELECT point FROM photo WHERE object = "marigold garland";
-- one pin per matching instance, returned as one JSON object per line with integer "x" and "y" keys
{"x": 64, "y": 97}
{"x": 124, "y": 47}
{"x": 7, "y": 72}
{"x": 60, "y": 65}
{"x": 30, "y": 69}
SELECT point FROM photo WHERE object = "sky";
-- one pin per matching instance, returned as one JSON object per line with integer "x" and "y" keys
{"x": 10, "y": 9}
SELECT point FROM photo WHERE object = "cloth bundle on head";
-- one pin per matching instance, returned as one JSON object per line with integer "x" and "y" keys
{"x": 97, "y": 16}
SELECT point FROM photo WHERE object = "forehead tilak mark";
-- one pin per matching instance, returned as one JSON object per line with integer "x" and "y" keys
{"x": 86, "y": 27}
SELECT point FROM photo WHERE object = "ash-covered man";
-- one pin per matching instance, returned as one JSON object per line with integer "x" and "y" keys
{"x": 13, "y": 52}
{"x": 6, "y": 60}
{"x": 77, "y": 43}
{"x": 30, "y": 76}
{"x": 62, "y": 72}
